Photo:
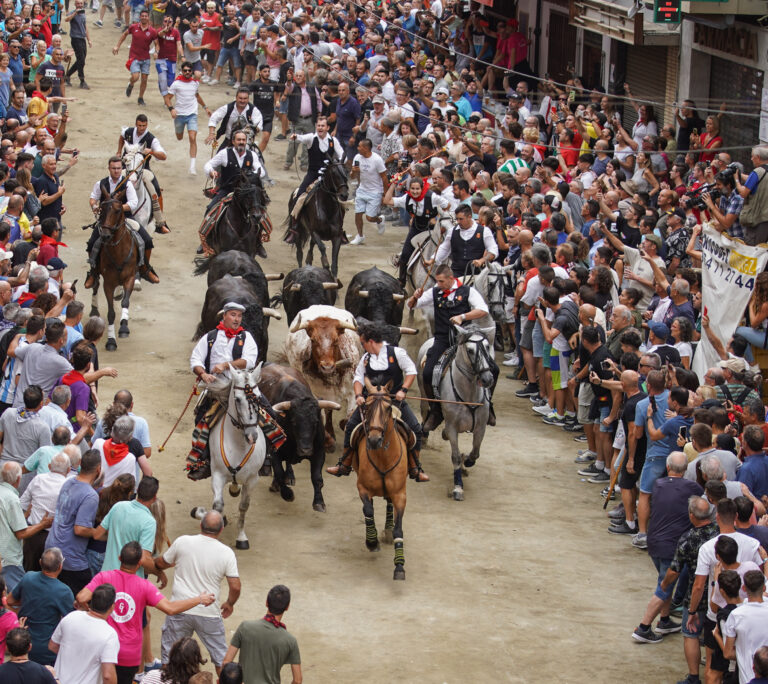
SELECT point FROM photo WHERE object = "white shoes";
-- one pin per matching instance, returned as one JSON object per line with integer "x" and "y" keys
{"x": 205, "y": 78}
{"x": 357, "y": 240}
{"x": 511, "y": 361}
{"x": 382, "y": 226}
{"x": 212, "y": 81}
{"x": 192, "y": 171}
{"x": 237, "y": 84}
{"x": 542, "y": 410}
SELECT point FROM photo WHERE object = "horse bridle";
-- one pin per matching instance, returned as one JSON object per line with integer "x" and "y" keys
{"x": 334, "y": 192}
{"x": 250, "y": 397}
{"x": 480, "y": 349}
{"x": 111, "y": 229}
{"x": 377, "y": 399}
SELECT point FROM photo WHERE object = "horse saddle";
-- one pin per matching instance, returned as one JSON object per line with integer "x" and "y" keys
{"x": 441, "y": 368}
{"x": 301, "y": 200}
{"x": 212, "y": 217}
{"x": 358, "y": 433}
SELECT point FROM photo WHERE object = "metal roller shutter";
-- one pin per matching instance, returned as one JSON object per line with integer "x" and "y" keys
{"x": 647, "y": 76}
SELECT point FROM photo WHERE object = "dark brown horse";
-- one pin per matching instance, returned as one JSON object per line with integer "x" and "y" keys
{"x": 321, "y": 218}
{"x": 118, "y": 265}
{"x": 382, "y": 470}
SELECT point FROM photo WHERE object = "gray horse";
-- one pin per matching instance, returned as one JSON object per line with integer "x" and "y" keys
{"x": 468, "y": 379}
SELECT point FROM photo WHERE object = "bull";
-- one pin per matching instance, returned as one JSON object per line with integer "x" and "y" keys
{"x": 322, "y": 343}
{"x": 376, "y": 296}
{"x": 299, "y": 416}
{"x": 250, "y": 291}
{"x": 306, "y": 286}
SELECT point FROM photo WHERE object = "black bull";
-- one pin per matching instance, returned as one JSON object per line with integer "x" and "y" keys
{"x": 299, "y": 416}
{"x": 306, "y": 286}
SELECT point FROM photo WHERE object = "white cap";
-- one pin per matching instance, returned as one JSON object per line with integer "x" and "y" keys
{"x": 5, "y": 255}
{"x": 231, "y": 306}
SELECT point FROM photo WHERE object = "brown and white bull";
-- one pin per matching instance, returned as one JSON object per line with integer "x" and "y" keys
{"x": 323, "y": 344}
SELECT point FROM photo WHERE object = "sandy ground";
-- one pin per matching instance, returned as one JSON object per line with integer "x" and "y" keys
{"x": 520, "y": 582}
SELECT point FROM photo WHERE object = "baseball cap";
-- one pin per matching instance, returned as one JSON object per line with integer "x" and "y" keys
{"x": 443, "y": 90}
{"x": 733, "y": 365}
{"x": 378, "y": 99}
{"x": 55, "y": 264}
{"x": 680, "y": 213}
{"x": 659, "y": 329}
{"x": 655, "y": 239}
{"x": 5, "y": 255}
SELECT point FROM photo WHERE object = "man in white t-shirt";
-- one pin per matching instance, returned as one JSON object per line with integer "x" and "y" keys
{"x": 746, "y": 629}
{"x": 86, "y": 646}
{"x": 201, "y": 562}
{"x": 116, "y": 458}
{"x": 369, "y": 168}
{"x": 184, "y": 113}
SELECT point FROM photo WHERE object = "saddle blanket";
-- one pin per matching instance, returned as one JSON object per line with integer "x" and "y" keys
{"x": 301, "y": 200}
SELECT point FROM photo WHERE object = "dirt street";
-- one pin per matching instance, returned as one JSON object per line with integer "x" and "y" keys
{"x": 519, "y": 583}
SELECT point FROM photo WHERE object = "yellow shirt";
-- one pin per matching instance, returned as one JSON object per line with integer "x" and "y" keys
{"x": 38, "y": 107}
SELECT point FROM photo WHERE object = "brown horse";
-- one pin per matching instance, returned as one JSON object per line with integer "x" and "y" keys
{"x": 382, "y": 470}
{"x": 118, "y": 265}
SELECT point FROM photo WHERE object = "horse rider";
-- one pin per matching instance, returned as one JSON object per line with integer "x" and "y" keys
{"x": 382, "y": 363}
{"x": 107, "y": 189}
{"x": 229, "y": 162}
{"x": 138, "y": 134}
{"x": 467, "y": 244}
{"x": 241, "y": 111}
{"x": 422, "y": 205}
{"x": 453, "y": 303}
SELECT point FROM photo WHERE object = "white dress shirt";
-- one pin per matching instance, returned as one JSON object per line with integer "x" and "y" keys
{"x": 130, "y": 192}
{"x": 221, "y": 352}
{"x": 379, "y": 362}
{"x": 438, "y": 201}
{"x": 155, "y": 146}
{"x": 475, "y": 299}
{"x": 218, "y": 116}
{"x": 42, "y": 494}
{"x": 220, "y": 159}
{"x": 308, "y": 139}
{"x": 444, "y": 250}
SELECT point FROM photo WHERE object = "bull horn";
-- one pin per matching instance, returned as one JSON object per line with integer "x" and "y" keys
{"x": 295, "y": 287}
{"x": 330, "y": 286}
{"x": 329, "y": 405}
{"x": 363, "y": 294}
{"x": 298, "y": 325}
{"x": 274, "y": 313}
{"x": 348, "y": 326}
{"x": 282, "y": 406}
{"x": 409, "y": 331}
{"x": 274, "y": 276}
{"x": 343, "y": 364}
{"x": 398, "y": 297}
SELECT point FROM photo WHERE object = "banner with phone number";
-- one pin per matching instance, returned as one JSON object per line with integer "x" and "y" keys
{"x": 728, "y": 272}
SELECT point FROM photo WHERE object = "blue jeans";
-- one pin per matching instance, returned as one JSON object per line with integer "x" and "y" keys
{"x": 662, "y": 565}
{"x": 228, "y": 53}
{"x": 166, "y": 74}
{"x": 757, "y": 338}
{"x": 12, "y": 575}
{"x": 95, "y": 560}
{"x": 653, "y": 469}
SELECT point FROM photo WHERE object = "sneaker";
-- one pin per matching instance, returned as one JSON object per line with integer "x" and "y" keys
{"x": 646, "y": 636}
{"x": 236, "y": 84}
{"x": 690, "y": 679}
{"x": 205, "y": 78}
{"x": 676, "y": 608}
{"x": 154, "y": 665}
{"x": 280, "y": 136}
{"x": 600, "y": 478}
{"x": 141, "y": 102}
{"x": 511, "y": 361}
{"x": 668, "y": 626}
{"x": 98, "y": 23}
{"x": 577, "y": 438}
{"x": 611, "y": 494}
{"x": 544, "y": 410}
{"x": 84, "y": 86}
{"x": 129, "y": 90}
{"x": 622, "y": 529}
{"x": 530, "y": 390}
{"x": 357, "y": 240}
{"x": 554, "y": 419}
{"x": 118, "y": 23}
{"x": 576, "y": 426}
{"x": 640, "y": 540}
{"x": 537, "y": 401}
{"x": 585, "y": 456}
{"x": 213, "y": 81}
{"x": 589, "y": 470}
{"x": 534, "y": 398}
{"x": 617, "y": 513}
{"x": 381, "y": 227}
{"x": 192, "y": 171}
{"x": 515, "y": 374}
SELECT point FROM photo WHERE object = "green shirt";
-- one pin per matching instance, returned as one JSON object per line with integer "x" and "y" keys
{"x": 39, "y": 461}
{"x": 264, "y": 649}
{"x": 11, "y": 521}
{"x": 127, "y": 521}
{"x": 511, "y": 166}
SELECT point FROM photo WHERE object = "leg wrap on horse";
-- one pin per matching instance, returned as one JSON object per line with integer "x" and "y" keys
{"x": 371, "y": 539}
{"x": 399, "y": 552}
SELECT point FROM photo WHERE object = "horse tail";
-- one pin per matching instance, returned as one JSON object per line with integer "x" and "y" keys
{"x": 202, "y": 264}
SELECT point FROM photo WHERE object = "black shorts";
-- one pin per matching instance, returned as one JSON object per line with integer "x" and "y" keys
{"x": 209, "y": 56}
{"x": 250, "y": 58}
{"x": 707, "y": 637}
{"x": 629, "y": 480}
{"x": 267, "y": 125}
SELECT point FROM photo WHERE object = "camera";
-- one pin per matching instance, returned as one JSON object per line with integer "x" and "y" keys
{"x": 694, "y": 200}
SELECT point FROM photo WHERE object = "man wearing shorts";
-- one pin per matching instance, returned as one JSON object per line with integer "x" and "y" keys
{"x": 169, "y": 52}
{"x": 193, "y": 46}
{"x": 184, "y": 113}
{"x": 230, "y": 37}
{"x": 142, "y": 37}
{"x": 369, "y": 168}
{"x": 200, "y": 564}
{"x": 264, "y": 98}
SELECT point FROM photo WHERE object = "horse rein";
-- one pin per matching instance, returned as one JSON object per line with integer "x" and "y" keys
{"x": 377, "y": 399}
{"x": 250, "y": 396}
{"x": 480, "y": 348}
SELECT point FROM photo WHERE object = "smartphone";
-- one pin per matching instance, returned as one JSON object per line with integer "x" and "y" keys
{"x": 706, "y": 311}
{"x": 605, "y": 365}
{"x": 653, "y": 403}
{"x": 75, "y": 153}
{"x": 357, "y": 163}
{"x": 684, "y": 432}
{"x": 81, "y": 11}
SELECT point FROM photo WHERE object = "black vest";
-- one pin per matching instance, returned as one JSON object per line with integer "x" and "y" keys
{"x": 317, "y": 157}
{"x": 445, "y": 308}
{"x": 231, "y": 172}
{"x": 294, "y": 103}
{"x": 464, "y": 251}
{"x": 392, "y": 372}
{"x": 105, "y": 194}
{"x": 228, "y": 115}
{"x": 237, "y": 350}
{"x": 421, "y": 223}
{"x": 128, "y": 136}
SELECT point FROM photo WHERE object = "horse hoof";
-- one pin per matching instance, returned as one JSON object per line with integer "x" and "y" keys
{"x": 123, "y": 332}
{"x": 265, "y": 470}
{"x": 469, "y": 462}
{"x": 137, "y": 285}
{"x": 197, "y": 513}
{"x": 94, "y": 312}
{"x": 386, "y": 537}
{"x": 234, "y": 490}
{"x": 458, "y": 494}
{"x": 290, "y": 481}
{"x": 111, "y": 344}
{"x": 242, "y": 545}
{"x": 275, "y": 486}
{"x": 373, "y": 548}
{"x": 287, "y": 493}
{"x": 319, "y": 507}
{"x": 399, "y": 573}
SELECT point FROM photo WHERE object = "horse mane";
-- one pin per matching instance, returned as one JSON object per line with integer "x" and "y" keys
{"x": 219, "y": 389}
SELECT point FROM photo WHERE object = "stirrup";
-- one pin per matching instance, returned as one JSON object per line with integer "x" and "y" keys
{"x": 340, "y": 469}
{"x": 418, "y": 474}
{"x": 90, "y": 279}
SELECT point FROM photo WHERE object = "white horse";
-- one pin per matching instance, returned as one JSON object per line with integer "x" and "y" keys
{"x": 237, "y": 445}
{"x": 133, "y": 158}
{"x": 419, "y": 274}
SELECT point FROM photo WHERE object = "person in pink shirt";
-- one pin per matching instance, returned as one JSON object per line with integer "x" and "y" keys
{"x": 8, "y": 620}
{"x": 134, "y": 594}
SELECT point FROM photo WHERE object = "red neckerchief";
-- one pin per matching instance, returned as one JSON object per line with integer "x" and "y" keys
{"x": 48, "y": 240}
{"x": 185, "y": 79}
{"x": 72, "y": 377}
{"x": 37, "y": 93}
{"x": 456, "y": 286}
{"x": 53, "y": 134}
{"x": 114, "y": 453}
{"x": 26, "y": 297}
{"x": 274, "y": 621}
{"x": 423, "y": 193}
{"x": 228, "y": 331}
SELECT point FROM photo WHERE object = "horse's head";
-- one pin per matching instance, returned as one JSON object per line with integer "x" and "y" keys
{"x": 133, "y": 159}
{"x": 243, "y": 401}
{"x": 475, "y": 346}
{"x": 495, "y": 290}
{"x": 335, "y": 180}
{"x": 251, "y": 196}
{"x": 378, "y": 412}
{"x": 111, "y": 217}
